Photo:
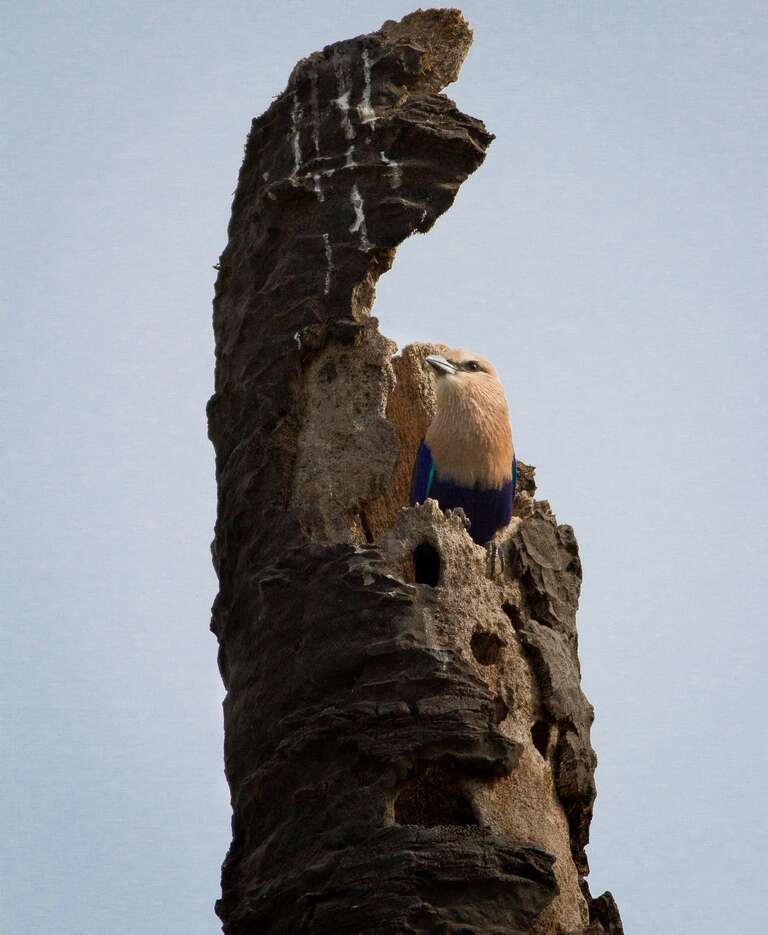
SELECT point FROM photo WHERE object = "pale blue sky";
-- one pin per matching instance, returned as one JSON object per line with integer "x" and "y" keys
{"x": 610, "y": 257}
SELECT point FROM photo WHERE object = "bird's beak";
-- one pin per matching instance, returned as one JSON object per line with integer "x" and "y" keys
{"x": 440, "y": 365}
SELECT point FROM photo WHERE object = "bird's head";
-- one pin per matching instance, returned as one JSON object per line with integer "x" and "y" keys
{"x": 462, "y": 373}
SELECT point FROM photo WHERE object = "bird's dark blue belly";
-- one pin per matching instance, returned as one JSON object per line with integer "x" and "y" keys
{"x": 487, "y": 510}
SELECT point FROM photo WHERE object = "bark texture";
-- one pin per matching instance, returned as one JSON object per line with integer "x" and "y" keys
{"x": 406, "y": 740}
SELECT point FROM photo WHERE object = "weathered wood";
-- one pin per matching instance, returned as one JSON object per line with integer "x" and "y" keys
{"x": 406, "y": 741}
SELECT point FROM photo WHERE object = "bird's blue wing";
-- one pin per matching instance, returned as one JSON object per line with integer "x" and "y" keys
{"x": 507, "y": 497}
{"x": 423, "y": 475}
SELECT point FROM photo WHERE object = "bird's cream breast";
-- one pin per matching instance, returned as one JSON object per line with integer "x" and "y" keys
{"x": 470, "y": 436}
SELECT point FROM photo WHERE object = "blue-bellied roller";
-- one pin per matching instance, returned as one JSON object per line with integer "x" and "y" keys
{"x": 467, "y": 458}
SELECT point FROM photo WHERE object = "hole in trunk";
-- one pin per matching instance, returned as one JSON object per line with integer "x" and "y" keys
{"x": 433, "y": 798}
{"x": 426, "y": 564}
{"x": 540, "y": 737}
{"x": 500, "y": 709}
{"x": 486, "y": 647}
{"x": 513, "y": 613}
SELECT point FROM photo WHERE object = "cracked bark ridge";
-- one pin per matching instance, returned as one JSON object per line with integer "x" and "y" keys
{"x": 545, "y": 560}
{"x": 403, "y": 755}
{"x": 603, "y": 913}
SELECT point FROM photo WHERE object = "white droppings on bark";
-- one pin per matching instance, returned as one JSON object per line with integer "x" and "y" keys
{"x": 297, "y": 339}
{"x": 328, "y": 264}
{"x": 313, "y": 100}
{"x": 366, "y": 113}
{"x": 318, "y": 188}
{"x": 395, "y": 172}
{"x": 358, "y": 225}
{"x": 296, "y": 114}
{"x": 342, "y": 101}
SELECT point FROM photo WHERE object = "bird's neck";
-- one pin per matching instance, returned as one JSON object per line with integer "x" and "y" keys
{"x": 471, "y": 440}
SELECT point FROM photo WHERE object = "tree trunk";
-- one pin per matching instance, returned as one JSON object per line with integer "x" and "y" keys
{"x": 406, "y": 741}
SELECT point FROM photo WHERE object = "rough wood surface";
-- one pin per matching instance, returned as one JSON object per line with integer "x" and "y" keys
{"x": 406, "y": 741}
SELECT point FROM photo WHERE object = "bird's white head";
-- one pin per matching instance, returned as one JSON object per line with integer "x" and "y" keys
{"x": 470, "y": 436}
{"x": 460, "y": 371}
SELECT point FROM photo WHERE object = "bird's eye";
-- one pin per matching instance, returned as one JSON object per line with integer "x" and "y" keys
{"x": 472, "y": 365}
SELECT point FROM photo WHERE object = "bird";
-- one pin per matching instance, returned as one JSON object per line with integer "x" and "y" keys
{"x": 467, "y": 458}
